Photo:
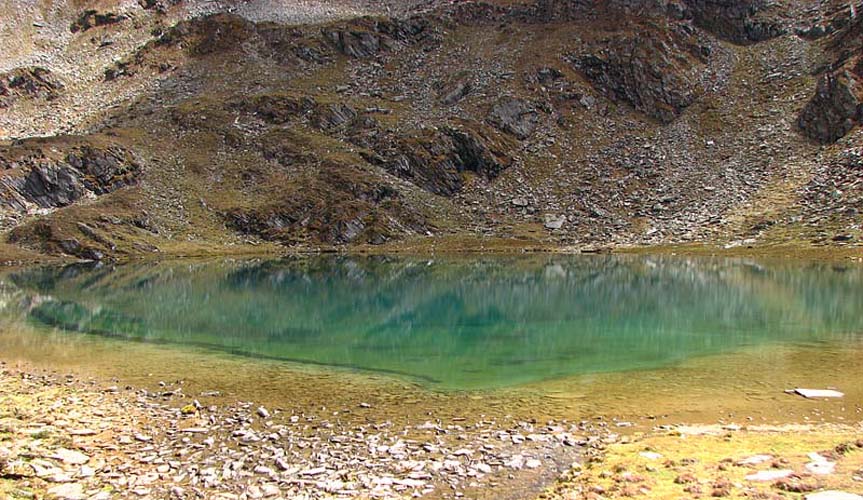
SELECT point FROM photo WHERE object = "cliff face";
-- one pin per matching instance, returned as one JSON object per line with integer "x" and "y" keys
{"x": 560, "y": 122}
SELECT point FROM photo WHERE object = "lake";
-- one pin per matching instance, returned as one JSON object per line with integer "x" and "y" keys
{"x": 446, "y": 324}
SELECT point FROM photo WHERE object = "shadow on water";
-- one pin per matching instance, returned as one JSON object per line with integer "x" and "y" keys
{"x": 454, "y": 323}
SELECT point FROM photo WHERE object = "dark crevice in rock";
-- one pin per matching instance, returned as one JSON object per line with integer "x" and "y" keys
{"x": 30, "y": 82}
{"x": 92, "y": 18}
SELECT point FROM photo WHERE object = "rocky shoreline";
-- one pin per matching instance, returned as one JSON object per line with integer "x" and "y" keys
{"x": 65, "y": 437}
{"x": 68, "y": 437}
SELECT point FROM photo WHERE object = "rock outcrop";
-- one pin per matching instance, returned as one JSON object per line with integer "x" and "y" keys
{"x": 28, "y": 83}
{"x": 835, "y": 108}
{"x": 365, "y": 38}
{"x": 44, "y": 176}
{"x": 334, "y": 204}
{"x": 92, "y": 19}
{"x": 741, "y": 21}
{"x": 656, "y": 72}
{"x": 514, "y": 116}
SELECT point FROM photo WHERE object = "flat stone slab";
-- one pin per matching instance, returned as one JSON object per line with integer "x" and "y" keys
{"x": 69, "y": 491}
{"x": 816, "y": 393}
{"x": 769, "y": 475}
{"x": 71, "y": 457}
{"x": 820, "y": 465}
{"x": 755, "y": 460}
{"x": 833, "y": 495}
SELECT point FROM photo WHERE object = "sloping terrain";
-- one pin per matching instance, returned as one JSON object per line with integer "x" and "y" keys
{"x": 309, "y": 125}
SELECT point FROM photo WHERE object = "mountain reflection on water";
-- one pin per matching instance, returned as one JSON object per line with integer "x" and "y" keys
{"x": 454, "y": 323}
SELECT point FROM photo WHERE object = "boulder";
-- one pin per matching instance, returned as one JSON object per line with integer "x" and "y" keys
{"x": 514, "y": 116}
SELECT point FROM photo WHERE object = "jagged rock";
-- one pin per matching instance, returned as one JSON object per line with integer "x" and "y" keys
{"x": 276, "y": 107}
{"x": 834, "y": 110}
{"x": 104, "y": 170}
{"x": 455, "y": 91}
{"x": 365, "y": 38}
{"x": 332, "y": 115}
{"x": 58, "y": 181}
{"x": 655, "y": 74}
{"x": 332, "y": 204}
{"x": 52, "y": 185}
{"x": 160, "y": 6}
{"x": 92, "y": 18}
{"x": 435, "y": 159}
{"x": 31, "y": 82}
{"x": 514, "y": 116}
{"x": 736, "y": 20}
{"x": 279, "y": 108}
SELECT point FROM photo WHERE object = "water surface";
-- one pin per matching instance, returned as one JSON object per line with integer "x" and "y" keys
{"x": 459, "y": 323}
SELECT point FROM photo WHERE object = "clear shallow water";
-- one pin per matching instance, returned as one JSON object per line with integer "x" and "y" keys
{"x": 453, "y": 323}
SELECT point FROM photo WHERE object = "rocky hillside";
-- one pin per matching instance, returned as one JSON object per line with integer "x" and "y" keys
{"x": 169, "y": 125}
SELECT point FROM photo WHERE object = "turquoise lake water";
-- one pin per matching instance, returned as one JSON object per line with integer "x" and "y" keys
{"x": 452, "y": 323}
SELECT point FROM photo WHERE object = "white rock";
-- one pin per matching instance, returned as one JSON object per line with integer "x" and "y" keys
{"x": 70, "y": 457}
{"x": 254, "y": 492}
{"x": 554, "y": 221}
{"x": 270, "y": 490}
{"x": 820, "y": 465}
{"x": 313, "y": 472}
{"x": 833, "y": 495}
{"x": 516, "y": 462}
{"x": 533, "y": 464}
{"x": 651, "y": 455}
{"x": 817, "y": 393}
{"x": 821, "y": 468}
{"x": 82, "y": 432}
{"x": 483, "y": 467}
{"x": 410, "y": 483}
{"x": 263, "y": 413}
{"x": 68, "y": 491}
{"x": 261, "y": 469}
{"x": 769, "y": 475}
{"x": 754, "y": 460}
